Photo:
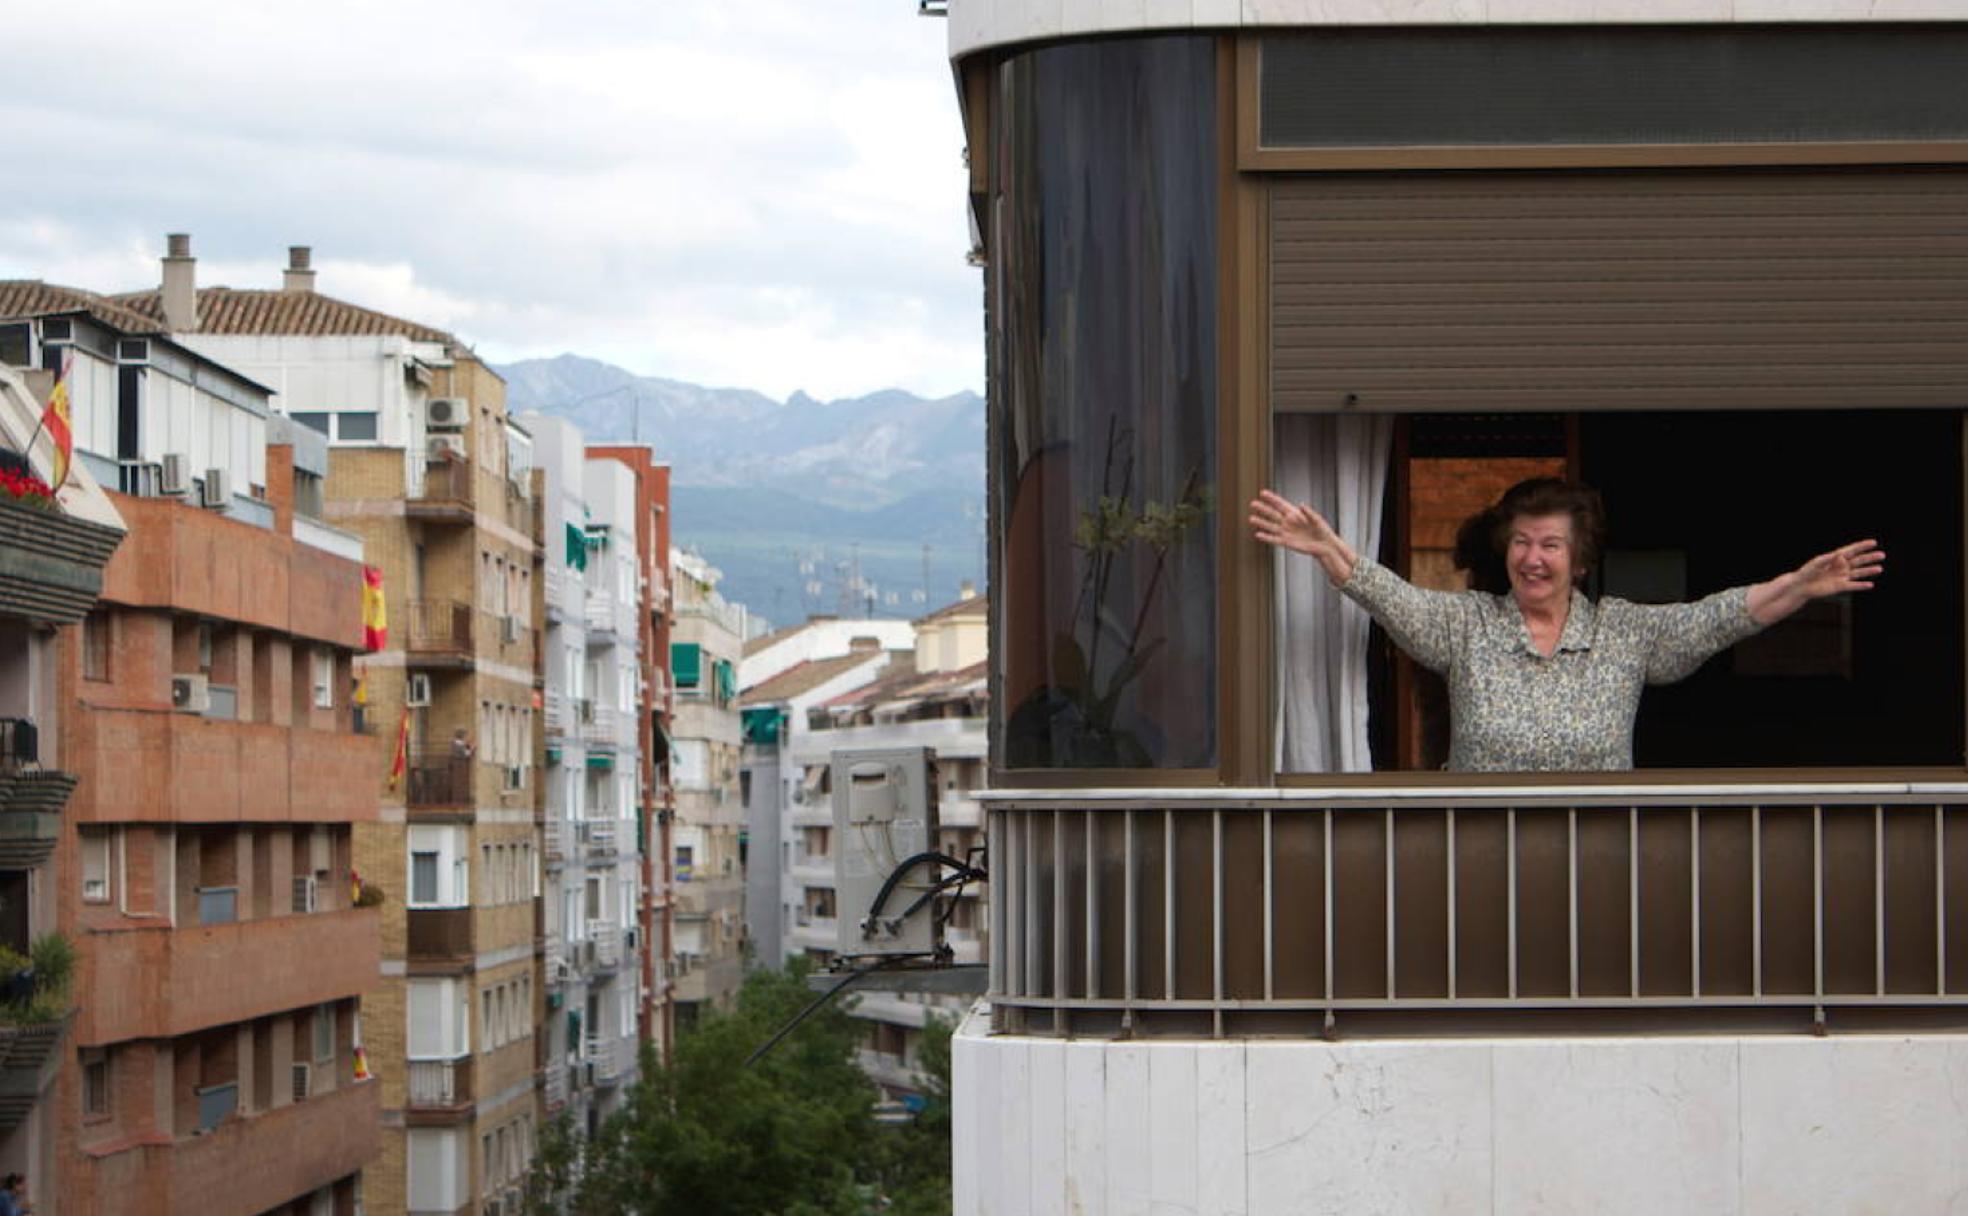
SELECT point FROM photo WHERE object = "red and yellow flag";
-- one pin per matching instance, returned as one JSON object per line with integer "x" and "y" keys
{"x": 375, "y": 620}
{"x": 402, "y": 756}
{"x": 55, "y": 420}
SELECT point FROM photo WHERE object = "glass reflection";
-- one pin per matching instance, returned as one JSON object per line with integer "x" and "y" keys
{"x": 1103, "y": 329}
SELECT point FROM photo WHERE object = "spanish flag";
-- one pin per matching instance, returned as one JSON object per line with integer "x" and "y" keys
{"x": 55, "y": 420}
{"x": 402, "y": 756}
{"x": 375, "y": 620}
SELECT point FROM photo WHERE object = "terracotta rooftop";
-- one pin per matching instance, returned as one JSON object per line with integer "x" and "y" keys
{"x": 902, "y": 682}
{"x": 976, "y": 605}
{"x": 804, "y": 677}
{"x": 33, "y": 298}
{"x": 235, "y": 310}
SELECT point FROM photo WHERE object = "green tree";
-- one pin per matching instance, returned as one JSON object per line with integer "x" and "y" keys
{"x": 793, "y": 1133}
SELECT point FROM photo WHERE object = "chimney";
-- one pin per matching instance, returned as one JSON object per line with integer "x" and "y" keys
{"x": 180, "y": 285}
{"x": 300, "y": 269}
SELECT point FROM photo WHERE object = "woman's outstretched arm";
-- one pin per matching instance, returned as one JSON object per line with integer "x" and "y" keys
{"x": 1847, "y": 568}
{"x": 1277, "y": 521}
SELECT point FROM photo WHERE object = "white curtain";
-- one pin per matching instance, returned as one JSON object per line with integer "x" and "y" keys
{"x": 1338, "y": 464}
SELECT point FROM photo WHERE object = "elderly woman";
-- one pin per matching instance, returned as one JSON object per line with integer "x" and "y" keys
{"x": 1540, "y": 677}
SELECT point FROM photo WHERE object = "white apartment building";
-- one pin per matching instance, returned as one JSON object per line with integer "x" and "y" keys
{"x": 708, "y": 863}
{"x": 933, "y": 695}
{"x": 591, "y": 597}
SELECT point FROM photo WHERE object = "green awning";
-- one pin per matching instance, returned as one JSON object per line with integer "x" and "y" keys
{"x": 764, "y": 724}
{"x": 577, "y": 547}
{"x": 687, "y": 663}
{"x": 726, "y": 677}
{"x": 553, "y": 755}
{"x": 601, "y": 760}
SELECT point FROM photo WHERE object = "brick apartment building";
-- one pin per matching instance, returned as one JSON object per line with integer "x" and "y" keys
{"x": 205, "y": 868}
{"x": 424, "y": 465}
{"x": 53, "y": 562}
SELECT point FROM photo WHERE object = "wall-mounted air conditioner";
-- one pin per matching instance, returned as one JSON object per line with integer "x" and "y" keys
{"x": 417, "y": 692}
{"x": 177, "y": 473}
{"x": 191, "y": 694}
{"x": 307, "y": 894}
{"x": 214, "y": 492}
{"x": 303, "y": 1081}
{"x": 445, "y": 447}
{"x": 447, "y": 414}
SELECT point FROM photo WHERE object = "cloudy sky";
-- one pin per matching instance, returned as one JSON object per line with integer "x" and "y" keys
{"x": 756, "y": 193}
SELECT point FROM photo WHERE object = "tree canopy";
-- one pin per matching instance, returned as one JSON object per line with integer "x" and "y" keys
{"x": 794, "y": 1132}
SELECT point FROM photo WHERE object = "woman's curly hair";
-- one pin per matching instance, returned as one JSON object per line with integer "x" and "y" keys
{"x": 1484, "y": 537}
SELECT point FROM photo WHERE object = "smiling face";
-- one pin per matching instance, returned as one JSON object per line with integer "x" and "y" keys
{"x": 1538, "y": 556}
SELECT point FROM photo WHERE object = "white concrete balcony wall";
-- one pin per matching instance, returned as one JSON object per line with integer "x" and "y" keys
{"x": 1711, "y": 1124}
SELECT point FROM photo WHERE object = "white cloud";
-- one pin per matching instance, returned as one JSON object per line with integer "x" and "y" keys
{"x": 767, "y": 194}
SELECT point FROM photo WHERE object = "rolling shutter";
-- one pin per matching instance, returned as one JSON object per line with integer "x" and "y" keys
{"x": 1581, "y": 291}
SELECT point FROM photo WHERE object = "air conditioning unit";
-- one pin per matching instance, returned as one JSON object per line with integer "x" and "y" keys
{"x": 177, "y": 473}
{"x": 417, "y": 692}
{"x": 191, "y": 694}
{"x": 139, "y": 478}
{"x": 445, "y": 447}
{"x": 303, "y": 1081}
{"x": 215, "y": 492}
{"x": 307, "y": 894}
{"x": 510, "y": 630}
{"x": 447, "y": 414}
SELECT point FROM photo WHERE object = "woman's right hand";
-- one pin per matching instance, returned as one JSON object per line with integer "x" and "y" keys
{"x": 1277, "y": 521}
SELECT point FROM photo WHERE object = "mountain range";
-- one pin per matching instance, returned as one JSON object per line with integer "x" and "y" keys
{"x": 861, "y": 505}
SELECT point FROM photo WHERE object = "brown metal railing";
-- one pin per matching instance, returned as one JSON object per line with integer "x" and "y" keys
{"x": 1450, "y": 911}
{"x": 440, "y": 625}
{"x": 438, "y": 776}
{"x": 446, "y": 483}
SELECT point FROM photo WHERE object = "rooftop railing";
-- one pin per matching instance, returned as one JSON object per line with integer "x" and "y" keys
{"x": 1422, "y": 911}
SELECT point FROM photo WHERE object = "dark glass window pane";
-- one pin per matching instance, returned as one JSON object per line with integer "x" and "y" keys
{"x": 356, "y": 427}
{"x": 314, "y": 422}
{"x": 423, "y": 878}
{"x": 1103, "y": 393}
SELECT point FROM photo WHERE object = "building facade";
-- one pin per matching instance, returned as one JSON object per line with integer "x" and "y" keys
{"x": 708, "y": 863}
{"x": 424, "y": 465}
{"x": 656, "y": 809}
{"x": 53, "y": 553}
{"x": 592, "y": 663}
{"x": 209, "y": 1073}
{"x": 1248, "y": 952}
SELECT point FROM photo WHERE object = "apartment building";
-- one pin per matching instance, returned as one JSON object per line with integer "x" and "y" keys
{"x": 53, "y": 555}
{"x": 656, "y": 813}
{"x": 425, "y": 466}
{"x": 592, "y": 661}
{"x": 708, "y": 861}
{"x": 781, "y": 920}
{"x": 207, "y": 879}
{"x": 935, "y": 695}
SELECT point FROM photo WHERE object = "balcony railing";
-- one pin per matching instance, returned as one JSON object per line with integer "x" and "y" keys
{"x": 436, "y": 777}
{"x": 440, "y": 1084}
{"x": 441, "y": 627}
{"x": 597, "y": 835}
{"x": 607, "y": 938}
{"x": 447, "y": 486}
{"x": 1454, "y": 910}
{"x": 439, "y": 934}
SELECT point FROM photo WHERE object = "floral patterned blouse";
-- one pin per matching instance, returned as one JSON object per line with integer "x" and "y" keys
{"x": 1512, "y": 709}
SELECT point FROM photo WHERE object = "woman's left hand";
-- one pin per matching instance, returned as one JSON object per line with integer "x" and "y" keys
{"x": 1847, "y": 568}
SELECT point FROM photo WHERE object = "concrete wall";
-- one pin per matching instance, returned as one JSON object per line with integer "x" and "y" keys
{"x": 1719, "y": 1124}
{"x": 978, "y": 24}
